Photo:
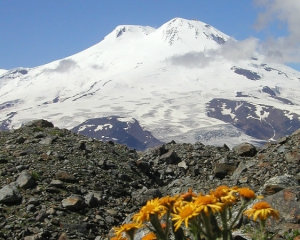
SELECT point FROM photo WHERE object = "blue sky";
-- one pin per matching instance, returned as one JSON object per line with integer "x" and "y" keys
{"x": 34, "y": 33}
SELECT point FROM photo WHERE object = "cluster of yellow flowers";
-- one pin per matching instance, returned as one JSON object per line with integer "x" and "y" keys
{"x": 204, "y": 216}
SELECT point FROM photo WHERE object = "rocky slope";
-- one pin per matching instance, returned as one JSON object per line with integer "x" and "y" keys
{"x": 54, "y": 181}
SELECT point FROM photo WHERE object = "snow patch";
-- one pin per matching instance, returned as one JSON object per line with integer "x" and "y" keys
{"x": 81, "y": 128}
{"x": 101, "y": 127}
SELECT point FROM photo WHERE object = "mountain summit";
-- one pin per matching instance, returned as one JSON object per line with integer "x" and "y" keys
{"x": 185, "y": 81}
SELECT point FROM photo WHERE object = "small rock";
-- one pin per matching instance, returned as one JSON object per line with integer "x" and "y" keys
{"x": 33, "y": 201}
{"x": 25, "y": 180}
{"x": 90, "y": 200}
{"x": 65, "y": 176}
{"x": 57, "y": 183}
{"x": 38, "y": 236}
{"x": 81, "y": 228}
{"x": 143, "y": 166}
{"x": 30, "y": 208}
{"x": 223, "y": 169}
{"x": 47, "y": 141}
{"x": 182, "y": 164}
{"x": 20, "y": 140}
{"x": 74, "y": 203}
{"x": 292, "y": 157}
{"x": 41, "y": 216}
{"x": 124, "y": 177}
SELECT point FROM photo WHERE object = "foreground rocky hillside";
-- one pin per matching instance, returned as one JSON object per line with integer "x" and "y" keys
{"x": 54, "y": 181}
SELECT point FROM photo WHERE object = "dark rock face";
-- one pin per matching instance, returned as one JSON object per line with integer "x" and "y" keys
{"x": 84, "y": 187}
{"x": 269, "y": 91}
{"x": 118, "y": 129}
{"x": 14, "y": 73}
{"x": 271, "y": 123}
{"x": 247, "y": 73}
{"x": 270, "y": 69}
{"x": 272, "y": 94}
{"x": 4, "y": 125}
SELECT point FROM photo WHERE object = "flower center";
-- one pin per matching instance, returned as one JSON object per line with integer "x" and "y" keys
{"x": 261, "y": 205}
{"x": 187, "y": 211}
{"x": 205, "y": 200}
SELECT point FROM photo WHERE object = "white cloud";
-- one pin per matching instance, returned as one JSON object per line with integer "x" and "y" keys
{"x": 231, "y": 50}
{"x": 239, "y": 50}
{"x": 64, "y": 66}
{"x": 192, "y": 60}
{"x": 287, "y": 12}
{"x": 283, "y": 49}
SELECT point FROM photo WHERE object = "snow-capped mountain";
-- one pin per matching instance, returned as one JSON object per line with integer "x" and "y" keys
{"x": 180, "y": 82}
{"x": 2, "y": 71}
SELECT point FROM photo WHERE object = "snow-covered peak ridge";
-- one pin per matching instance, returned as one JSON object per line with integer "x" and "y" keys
{"x": 186, "y": 31}
{"x": 2, "y": 71}
{"x": 174, "y": 32}
{"x": 123, "y": 30}
{"x": 14, "y": 73}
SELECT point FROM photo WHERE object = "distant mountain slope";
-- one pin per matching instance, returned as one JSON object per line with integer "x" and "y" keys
{"x": 165, "y": 78}
{"x": 120, "y": 130}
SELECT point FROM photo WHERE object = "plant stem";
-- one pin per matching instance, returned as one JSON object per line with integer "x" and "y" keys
{"x": 238, "y": 215}
{"x": 206, "y": 220}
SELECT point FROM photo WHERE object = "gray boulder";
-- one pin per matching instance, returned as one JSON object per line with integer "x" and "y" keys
{"x": 169, "y": 157}
{"x": 90, "y": 200}
{"x": 25, "y": 180}
{"x": 245, "y": 150}
{"x": 276, "y": 184}
{"x": 10, "y": 194}
{"x": 288, "y": 205}
{"x": 141, "y": 197}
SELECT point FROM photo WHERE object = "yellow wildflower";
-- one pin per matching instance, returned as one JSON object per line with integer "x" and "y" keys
{"x": 247, "y": 193}
{"x": 220, "y": 191}
{"x": 118, "y": 238}
{"x": 186, "y": 212}
{"x": 261, "y": 210}
{"x": 152, "y": 207}
{"x": 149, "y": 236}
{"x": 225, "y": 194}
{"x": 188, "y": 195}
{"x": 127, "y": 228}
{"x": 168, "y": 201}
{"x": 208, "y": 203}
